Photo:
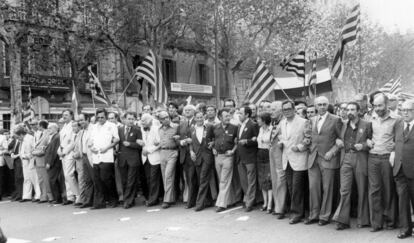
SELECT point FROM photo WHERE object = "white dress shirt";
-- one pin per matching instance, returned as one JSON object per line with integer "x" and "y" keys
{"x": 243, "y": 125}
{"x": 151, "y": 139}
{"x": 3, "y": 148}
{"x": 101, "y": 136}
{"x": 66, "y": 135}
{"x": 199, "y": 133}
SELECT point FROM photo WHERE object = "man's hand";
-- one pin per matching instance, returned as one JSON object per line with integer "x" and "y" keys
{"x": 392, "y": 159}
{"x": 126, "y": 144}
{"x": 370, "y": 143}
{"x": 229, "y": 153}
{"x": 94, "y": 150}
{"x": 280, "y": 144}
{"x": 140, "y": 142}
{"x": 328, "y": 155}
{"x": 358, "y": 146}
{"x": 295, "y": 148}
{"x": 193, "y": 156}
{"x": 339, "y": 143}
{"x": 47, "y": 166}
{"x": 210, "y": 145}
{"x": 13, "y": 156}
{"x": 144, "y": 152}
{"x": 215, "y": 152}
{"x": 243, "y": 142}
{"x": 103, "y": 150}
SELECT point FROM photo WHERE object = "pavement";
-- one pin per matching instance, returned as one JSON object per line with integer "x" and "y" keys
{"x": 33, "y": 222}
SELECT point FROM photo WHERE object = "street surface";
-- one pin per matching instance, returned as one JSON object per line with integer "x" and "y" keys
{"x": 32, "y": 222}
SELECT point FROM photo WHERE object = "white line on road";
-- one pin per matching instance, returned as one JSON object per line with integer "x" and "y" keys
{"x": 173, "y": 228}
{"x": 13, "y": 240}
{"x": 50, "y": 239}
{"x": 80, "y": 212}
{"x": 153, "y": 210}
{"x": 232, "y": 209}
{"x": 243, "y": 218}
{"x": 4, "y": 202}
{"x": 124, "y": 219}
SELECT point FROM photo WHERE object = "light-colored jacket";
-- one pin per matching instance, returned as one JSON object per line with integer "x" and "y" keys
{"x": 297, "y": 160}
{"x": 26, "y": 149}
{"x": 152, "y": 141}
{"x": 41, "y": 146}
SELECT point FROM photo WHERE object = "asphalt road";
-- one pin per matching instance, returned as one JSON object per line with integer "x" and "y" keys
{"x": 32, "y": 222}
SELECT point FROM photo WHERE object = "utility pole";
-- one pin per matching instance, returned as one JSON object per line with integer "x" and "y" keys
{"x": 216, "y": 62}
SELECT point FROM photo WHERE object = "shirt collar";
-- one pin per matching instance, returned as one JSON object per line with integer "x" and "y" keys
{"x": 323, "y": 116}
{"x": 245, "y": 121}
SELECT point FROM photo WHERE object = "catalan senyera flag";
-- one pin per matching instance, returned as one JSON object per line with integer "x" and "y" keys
{"x": 262, "y": 84}
{"x": 295, "y": 64}
{"x": 392, "y": 87}
{"x": 96, "y": 88}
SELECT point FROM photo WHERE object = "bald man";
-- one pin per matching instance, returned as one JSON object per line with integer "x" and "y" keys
{"x": 322, "y": 162}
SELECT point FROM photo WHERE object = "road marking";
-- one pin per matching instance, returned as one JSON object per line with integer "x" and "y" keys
{"x": 124, "y": 219}
{"x": 232, "y": 209}
{"x": 243, "y": 218}
{"x": 80, "y": 212}
{"x": 4, "y": 202}
{"x": 153, "y": 210}
{"x": 173, "y": 228}
{"x": 53, "y": 238}
{"x": 12, "y": 240}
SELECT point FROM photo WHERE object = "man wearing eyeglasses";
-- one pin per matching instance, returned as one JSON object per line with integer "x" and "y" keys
{"x": 104, "y": 137}
{"x": 403, "y": 169}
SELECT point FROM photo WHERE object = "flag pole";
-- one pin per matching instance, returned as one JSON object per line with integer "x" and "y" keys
{"x": 283, "y": 91}
{"x": 126, "y": 88}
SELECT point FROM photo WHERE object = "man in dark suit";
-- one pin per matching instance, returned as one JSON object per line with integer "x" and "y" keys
{"x": 54, "y": 165}
{"x": 188, "y": 166}
{"x": 322, "y": 162}
{"x": 129, "y": 158}
{"x": 201, "y": 153}
{"x": 403, "y": 169}
{"x": 14, "y": 147}
{"x": 354, "y": 166}
{"x": 247, "y": 156}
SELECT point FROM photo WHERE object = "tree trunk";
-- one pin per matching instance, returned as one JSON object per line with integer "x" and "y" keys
{"x": 15, "y": 83}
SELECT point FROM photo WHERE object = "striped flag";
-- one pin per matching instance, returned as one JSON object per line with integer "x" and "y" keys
{"x": 150, "y": 71}
{"x": 75, "y": 102}
{"x": 28, "y": 114}
{"x": 392, "y": 87}
{"x": 97, "y": 90}
{"x": 295, "y": 64}
{"x": 263, "y": 83}
{"x": 313, "y": 76}
{"x": 349, "y": 35}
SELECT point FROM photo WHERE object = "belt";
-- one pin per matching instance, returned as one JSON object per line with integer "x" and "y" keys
{"x": 380, "y": 155}
{"x": 168, "y": 148}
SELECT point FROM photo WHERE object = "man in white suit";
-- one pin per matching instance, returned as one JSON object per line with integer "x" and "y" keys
{"x": 293, "y": 141}
{"x": 29, "y": 171}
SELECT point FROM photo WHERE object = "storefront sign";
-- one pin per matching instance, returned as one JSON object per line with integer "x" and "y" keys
{"x": 191, "y": 88}
{"x": 40, "y": 81}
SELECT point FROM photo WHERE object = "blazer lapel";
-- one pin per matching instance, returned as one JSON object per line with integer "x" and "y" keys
{"x": 410, "y": 134}
{"x": 325, "y": 123}
{"x": 343, "y": 130}
{"x": 360, "y": 131}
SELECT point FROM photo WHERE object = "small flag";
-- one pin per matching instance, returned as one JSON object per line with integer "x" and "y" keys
{"x": 349, "y": 35}
{"x": 28, "y": 113}
{"x": 313, "y": 76}
{"x": 150, "y": 71}
{"x": 263, "y": 83}
{"x": 96, "y": 88}
{"x": 295, "y": 64}
{"x": 75, "y": 101}
{"x": 392, "y": 87}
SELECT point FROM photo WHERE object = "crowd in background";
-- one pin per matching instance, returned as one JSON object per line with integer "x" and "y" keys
{"x": 313, "y": 163}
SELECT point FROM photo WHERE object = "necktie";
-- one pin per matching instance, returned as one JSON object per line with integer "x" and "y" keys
{"x": 407, "y": 130}
{"x": 126, "y": 132}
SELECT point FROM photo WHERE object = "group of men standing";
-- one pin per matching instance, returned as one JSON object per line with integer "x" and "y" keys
{"x": 208, "y": 157}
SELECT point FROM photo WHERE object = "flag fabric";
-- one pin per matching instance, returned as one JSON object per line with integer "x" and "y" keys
{"x": 349, "y": 35}
{"x": 75, "y": 101}
{"x": 392, "y": 87}
{"x": 151, "y": 72}
{"x": 295, "y": 64}
{"x": 28, "y": 113}
{"x": 313, "y": 76}
{"x": 262, "y": 84}
{"x": 96, "y": 88}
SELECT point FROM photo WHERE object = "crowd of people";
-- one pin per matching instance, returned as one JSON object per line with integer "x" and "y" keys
{"x": 313, "y": 163}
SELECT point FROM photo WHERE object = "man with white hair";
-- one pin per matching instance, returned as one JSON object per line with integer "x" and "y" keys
{"x": 393, "y": 104}
{"x": 322, "y": 162}
{"x": 186, "y": 163}
{"x": 150, "y": 156}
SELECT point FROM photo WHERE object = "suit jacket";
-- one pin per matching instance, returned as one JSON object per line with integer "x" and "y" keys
{"x": 297, "y": 160}
{"x": 364, "y": 132}
{"x": 40, "y": 145}
{"x": 130, "y": 155}
{"x": 15, "y": 149}
{"x": 26, "y": 150}
{"x": 247, "y": 153}
{"x": 202, "y": 151}
{"x": 325, "y": 140}
{"x": 404, "y": 151}
{"x": 51, "y": 156}
{"x": 184, "y": 132}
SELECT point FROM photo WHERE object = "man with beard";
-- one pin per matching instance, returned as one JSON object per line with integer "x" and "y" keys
{"x": 381, "y": 189}
{"x": 354, "y": 159}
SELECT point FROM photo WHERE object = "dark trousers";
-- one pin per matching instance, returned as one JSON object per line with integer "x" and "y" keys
{"x": 57, "y": 182}
{"x": 86, "y": 188}
{"x": 248, "y": 179}
{"x": 405, "y": 190}
{"x": 191, "y": 178}
{"x": 153, "y": 181}
{"x": 296, "y": 186}
{"x": 2, "y": 179}
{"x": 18, "y": 178}
{"x": 105, "y": 188}
{"x": 129, "y": 177}
{"x": 348, "y": 174}
{"x": 204, "y": 174}
{"x": 381, "y": 190}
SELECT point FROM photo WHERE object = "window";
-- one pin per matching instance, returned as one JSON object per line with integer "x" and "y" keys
{"x": 202, "y": 74}
{"x": 169, "y": 71}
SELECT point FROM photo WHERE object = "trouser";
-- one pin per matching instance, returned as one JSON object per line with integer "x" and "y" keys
{"x": 248, "y": 181}
{"x": 405, "y": 190}
{"x": 191, "y": 180}
{"x": 44, "y": 184}
{"x": 281, "y": 191}
{"x": 153, "y": 181}
{"x": 118, "y": 181}
{"x": 321, "y": 189}
{"x": 296, "y": 185}
{"x": 204, "y": 173}
{"x": 85, "y": 175}
{"x": 2, "y": 180}
{"x": 348, "y": 173}
{"x": 57, "y": 182}
{"x": 18, "y": 178}
{"x": 105, "y": 189}
{"x": 381, "y": 190}
{"x": 30, "y": 181}
{"x": 129, "y": 182}
{"x": 224, "y": 168}
{"x": 279, "y": 188}
{"x": 168, "y": 162}
{"x": 236, "y": 192}
{"x": 71, "y": 183}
